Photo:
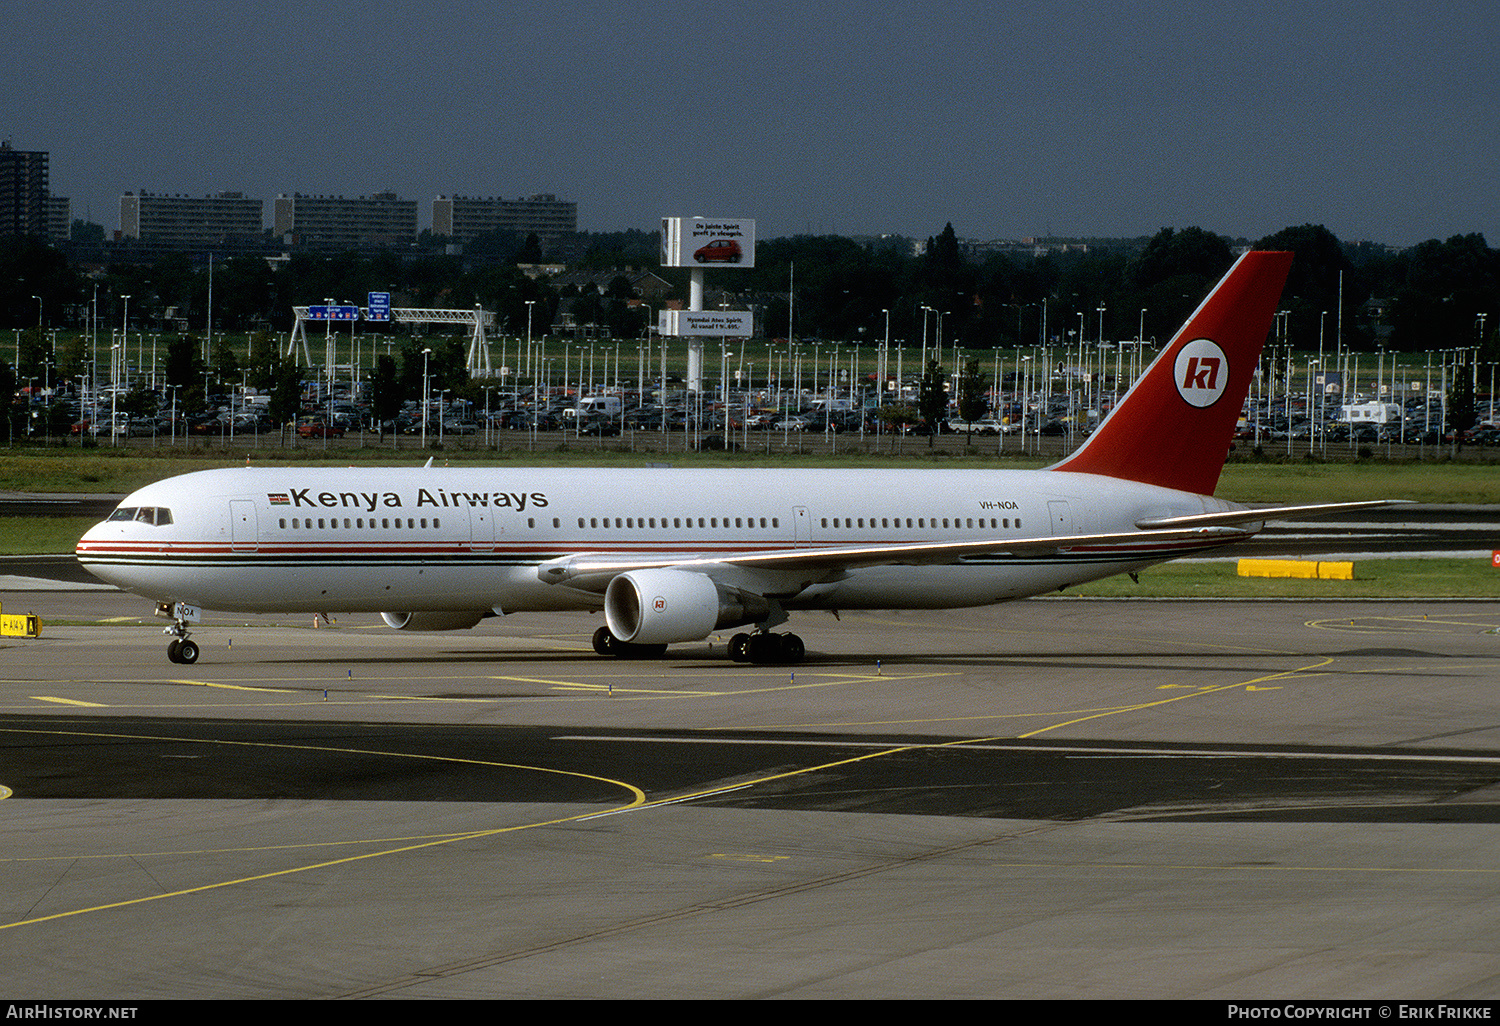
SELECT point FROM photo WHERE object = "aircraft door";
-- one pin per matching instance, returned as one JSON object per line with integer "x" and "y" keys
{"x": 801, "y": 525}
{"x": 1061, "y": 516}
{"x": 481, "y": 529}
{"x": 244, "y": 529}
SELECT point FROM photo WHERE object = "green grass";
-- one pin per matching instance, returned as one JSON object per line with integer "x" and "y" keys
{"x": 120, "y": 470}
{"x": 41, "y": 536}
{"x": 1373, "y": 578}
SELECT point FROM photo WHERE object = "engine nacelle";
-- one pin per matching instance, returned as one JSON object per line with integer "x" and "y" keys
{"x": 660, "y": 607}
{"x": 434, "y": 620}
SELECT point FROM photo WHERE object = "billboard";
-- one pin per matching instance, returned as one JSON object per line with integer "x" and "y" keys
{"x": 707, "y": 242}
{"x": 718, "y": 323}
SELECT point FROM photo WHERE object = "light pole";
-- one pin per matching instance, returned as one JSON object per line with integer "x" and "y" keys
{"x": 529, "y": 304}
{"x": 425, "y": 354}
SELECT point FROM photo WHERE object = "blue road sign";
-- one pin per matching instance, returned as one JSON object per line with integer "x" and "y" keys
{"x": 332, "y": 313}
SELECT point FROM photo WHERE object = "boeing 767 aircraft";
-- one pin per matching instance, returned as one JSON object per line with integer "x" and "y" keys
{"x": 672, "y": 556}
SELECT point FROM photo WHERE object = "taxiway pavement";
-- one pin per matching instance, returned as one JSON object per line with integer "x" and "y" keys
{"x": 1222, "y": 800}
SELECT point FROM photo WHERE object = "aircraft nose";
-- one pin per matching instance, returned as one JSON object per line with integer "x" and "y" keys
{"x": 89, "y": 540}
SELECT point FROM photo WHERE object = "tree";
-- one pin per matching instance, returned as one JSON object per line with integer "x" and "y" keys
{"x": 932, "y": 398}
{"x": 896, "y": 415}
{"x": 1463, "y": 409}
{"x": 286, "y": 394}
{"x": 385, "y": 392}
{"x": 973, "y": 395}
{"x": 185, "y": 371}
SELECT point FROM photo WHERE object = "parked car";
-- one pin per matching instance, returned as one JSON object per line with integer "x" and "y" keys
{"x": 310, "y": 428}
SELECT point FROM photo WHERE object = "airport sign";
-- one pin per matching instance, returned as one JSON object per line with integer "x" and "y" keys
{"x": 324, "y": 312}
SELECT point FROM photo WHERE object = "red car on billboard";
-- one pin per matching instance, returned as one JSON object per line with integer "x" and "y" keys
{"x": 719, "y": 251}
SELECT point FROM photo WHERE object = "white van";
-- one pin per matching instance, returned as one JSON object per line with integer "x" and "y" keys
{"x": 599, "y": 406}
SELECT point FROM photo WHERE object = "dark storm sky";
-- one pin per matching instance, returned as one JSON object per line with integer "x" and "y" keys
{"x": 1007, "y": 119}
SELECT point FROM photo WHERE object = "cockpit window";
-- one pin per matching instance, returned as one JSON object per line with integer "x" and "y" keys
{"x": 157, "y": 515}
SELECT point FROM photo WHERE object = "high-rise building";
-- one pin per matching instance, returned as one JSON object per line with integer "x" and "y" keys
{"x": 333, "y": 223}
{"x": 59, "y": 218}
{"x": 23, "y": 191}
{"x": 463, "y": 217}
{"x": 186, "y": 222}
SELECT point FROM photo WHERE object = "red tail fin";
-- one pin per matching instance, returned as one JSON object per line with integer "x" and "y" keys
{"x": 1174, "y": 426}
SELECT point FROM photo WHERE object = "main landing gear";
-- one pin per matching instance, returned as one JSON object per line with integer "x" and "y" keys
{"x": 765, "y": 648}
{"x": 761, "y": 647}
{"x": 606, "y": 644}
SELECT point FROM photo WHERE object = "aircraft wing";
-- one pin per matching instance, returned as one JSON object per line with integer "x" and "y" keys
{"x": 593, "y": 571}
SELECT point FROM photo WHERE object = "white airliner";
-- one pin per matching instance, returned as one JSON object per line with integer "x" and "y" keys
{"x": 674, "y": 555}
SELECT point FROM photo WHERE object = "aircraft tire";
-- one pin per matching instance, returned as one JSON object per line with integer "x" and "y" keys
{"x": 604, "y": 642}
{"x": 775, "y": 649}
{"x": 737, "y": 648}
{"x": 174, "y": 650}
{"x": 792, "y": 649}
{"x": 187, "y": 651}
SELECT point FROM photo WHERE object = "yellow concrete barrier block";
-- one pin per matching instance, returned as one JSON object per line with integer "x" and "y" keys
{"x": 20, "y": 626}
{"x": 1328, "y": 570}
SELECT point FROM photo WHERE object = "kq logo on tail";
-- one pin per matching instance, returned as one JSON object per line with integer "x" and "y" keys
{"x": 1202, "y": 373}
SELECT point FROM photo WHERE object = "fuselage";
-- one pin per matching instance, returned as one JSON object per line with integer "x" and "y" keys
{"x": 324, "y": 539}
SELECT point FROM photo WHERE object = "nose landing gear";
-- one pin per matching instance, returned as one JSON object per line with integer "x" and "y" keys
{"x": 181, "y": 650}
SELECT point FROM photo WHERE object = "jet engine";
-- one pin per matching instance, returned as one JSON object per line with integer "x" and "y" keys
{"x": 436, "y": 620}
{"x": 656, "y": 607}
